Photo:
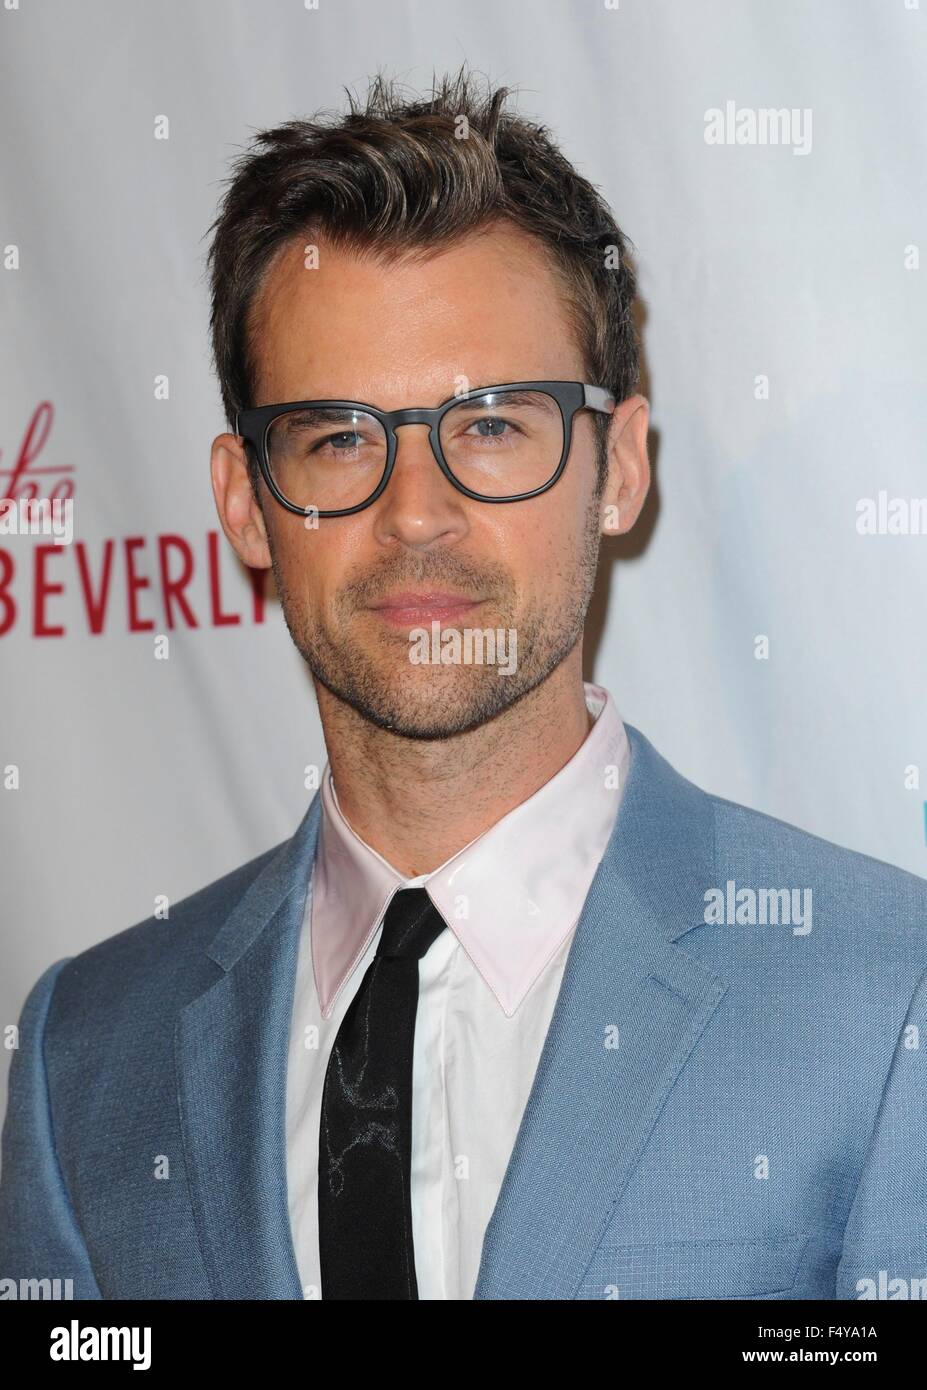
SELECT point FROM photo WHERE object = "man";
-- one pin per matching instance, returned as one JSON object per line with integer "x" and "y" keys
{"x": 518, "y": 1012}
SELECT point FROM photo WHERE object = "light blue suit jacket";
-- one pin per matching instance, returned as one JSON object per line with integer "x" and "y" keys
{"x": 720, "y": 1110}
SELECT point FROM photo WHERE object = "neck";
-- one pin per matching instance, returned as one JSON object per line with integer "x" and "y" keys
{"x": 417, "y": 802}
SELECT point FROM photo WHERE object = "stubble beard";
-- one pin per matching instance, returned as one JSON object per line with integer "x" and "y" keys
{"x": 432, "y": 701}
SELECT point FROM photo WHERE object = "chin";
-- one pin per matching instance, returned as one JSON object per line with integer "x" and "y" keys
{"x": 433, "y": 705}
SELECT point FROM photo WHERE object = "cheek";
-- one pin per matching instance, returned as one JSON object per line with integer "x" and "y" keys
{"x": 318, "y": 563}
{"x": 546, "y": 545}
{"x": 299, "y": 560}
{"x": 537, "y": 557}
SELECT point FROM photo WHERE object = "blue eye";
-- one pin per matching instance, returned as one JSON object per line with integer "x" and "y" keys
{"x": 344, "y": 434}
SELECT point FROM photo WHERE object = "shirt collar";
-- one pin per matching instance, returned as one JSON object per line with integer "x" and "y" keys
{"x": 511, "y": 897}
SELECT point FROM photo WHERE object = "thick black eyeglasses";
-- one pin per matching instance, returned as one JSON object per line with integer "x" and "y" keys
{"x": 495, "y": 444}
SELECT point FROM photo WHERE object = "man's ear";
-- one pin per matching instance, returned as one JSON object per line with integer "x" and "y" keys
{"x": 239, "y": 512}
{"x": 628, "y": 478}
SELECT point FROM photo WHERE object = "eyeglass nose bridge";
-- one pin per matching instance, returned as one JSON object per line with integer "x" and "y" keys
{"x": 413, "y": 416}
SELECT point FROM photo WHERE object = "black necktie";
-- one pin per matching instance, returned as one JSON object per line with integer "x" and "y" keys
{"x": 365, "y": 1135}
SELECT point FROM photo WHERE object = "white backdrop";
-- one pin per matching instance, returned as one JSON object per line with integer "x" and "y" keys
{"x": 785, "y": 340}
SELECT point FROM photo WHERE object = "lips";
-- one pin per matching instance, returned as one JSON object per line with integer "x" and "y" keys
{"x": 423, "y": 606}
{"x": 430, "y": 598}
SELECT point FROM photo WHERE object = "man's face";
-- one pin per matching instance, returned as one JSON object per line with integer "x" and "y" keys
{"x": 487, "y": 311}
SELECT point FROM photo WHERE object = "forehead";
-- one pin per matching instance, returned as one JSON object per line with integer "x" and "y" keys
{"x": 412, "y": 328}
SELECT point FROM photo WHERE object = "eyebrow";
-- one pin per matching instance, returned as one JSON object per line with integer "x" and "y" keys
{"x": 334, "y": 414}
{"x": 536, "y": 398}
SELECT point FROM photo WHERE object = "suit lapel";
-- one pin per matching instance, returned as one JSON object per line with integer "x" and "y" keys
{"x": 231, "y": 1046}
{"x": 593, "y": 1105}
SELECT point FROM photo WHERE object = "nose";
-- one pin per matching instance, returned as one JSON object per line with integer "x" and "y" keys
{"x": 419, "y": 506}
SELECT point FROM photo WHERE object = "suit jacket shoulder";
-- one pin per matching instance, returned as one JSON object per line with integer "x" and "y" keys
{"x": 857, "y": 907}
{"x": 156, "y": 966}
